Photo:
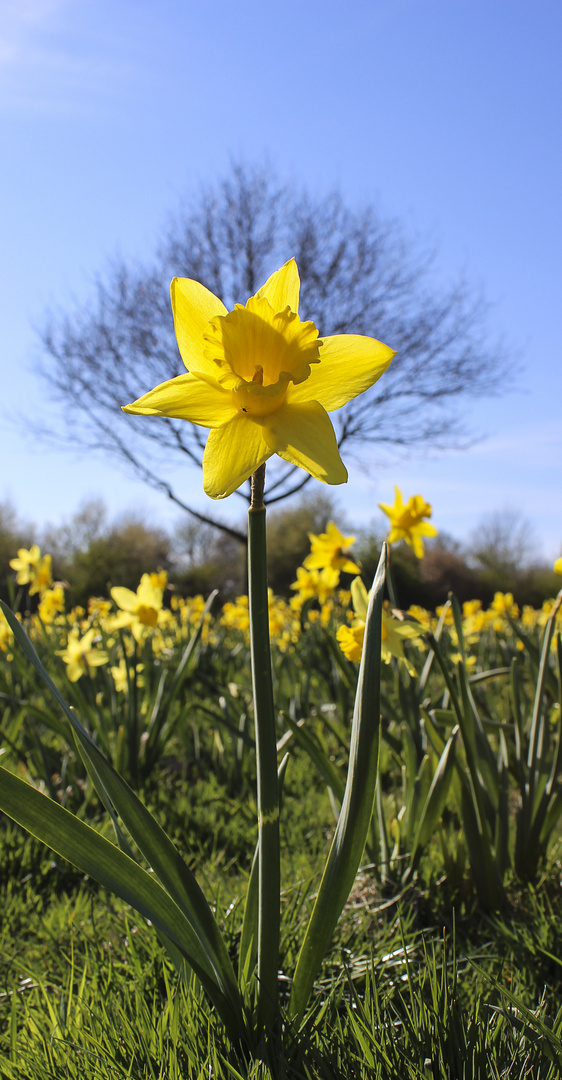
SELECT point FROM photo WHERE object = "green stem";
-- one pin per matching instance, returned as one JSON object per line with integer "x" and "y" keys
{"x": 266, "y": 753}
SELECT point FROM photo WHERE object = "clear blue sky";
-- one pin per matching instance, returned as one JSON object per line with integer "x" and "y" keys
{"x": 445, "y": 114}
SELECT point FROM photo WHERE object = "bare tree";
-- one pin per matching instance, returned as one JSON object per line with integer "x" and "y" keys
{"x": 359, "y": 274}
{"x": 503, "y": 543}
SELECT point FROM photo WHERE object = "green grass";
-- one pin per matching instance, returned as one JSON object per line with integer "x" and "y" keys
{"x": 420, "y": 985}
{"x": 420, "y": 982}
{"x": 90, "y": 995}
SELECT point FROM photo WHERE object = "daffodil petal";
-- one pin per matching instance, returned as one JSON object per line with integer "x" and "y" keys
{"x": 416, "y": 543}
{"x": 349, "y": 365}
{"x": 396, "y": 534}
{"x": 202, "y": 401}
{"x": 303, "y": 434}
{"x": 194, "y": 306}
{"x": 282, "y": 288}
{"x": 233, "y": 452}
{"x": 124, "y": 598}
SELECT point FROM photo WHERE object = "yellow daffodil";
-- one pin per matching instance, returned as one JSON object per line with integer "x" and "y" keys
{"x": 236, "y": 616}
{"x": 81, "y": 654}
{"x": 6, "y": 636}
{"x": 262, "y": 381}
{"x": 159, "y": 579}
{"x": 98, "y": 608}
{"x": 319, "y": 584}
{"x": 422, "y": 616}
{"x": 33, "y": 569}
{"x": 504, "y": 603}
{"x": 406, "y": 521}
{"x": 469, "y": 661}
{"x": 393, "y": 630}
{"x": 25, "y": 562}
{"x": 331, "y": 550}
{"x": 51, "y": 604}
{"x": 120, "y": 678}
{"x": 140, "y": 611}
{"x": 558, "y": 566}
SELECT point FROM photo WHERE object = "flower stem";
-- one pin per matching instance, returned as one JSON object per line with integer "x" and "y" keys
{"x": 266, "y": 753}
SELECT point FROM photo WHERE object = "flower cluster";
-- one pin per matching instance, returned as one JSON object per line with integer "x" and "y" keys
{"x": 121, "y": 632}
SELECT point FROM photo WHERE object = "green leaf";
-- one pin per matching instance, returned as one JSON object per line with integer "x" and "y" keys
{"x": 353, "y": 824}
{"x": 434, "y": 804}
{"x": 150, "y": 838}
{"x": 91, "y": 853}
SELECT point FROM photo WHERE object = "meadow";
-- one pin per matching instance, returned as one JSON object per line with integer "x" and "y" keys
{"x": 446, "y": 959}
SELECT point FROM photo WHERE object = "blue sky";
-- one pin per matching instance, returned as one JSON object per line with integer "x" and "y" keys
{"x": 445, "y": 115}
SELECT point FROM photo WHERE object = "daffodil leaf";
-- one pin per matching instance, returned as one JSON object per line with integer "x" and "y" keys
{"x": 91, "y": 853}
{"x": 150, "y": 838}
{"x": 357, "y": 808}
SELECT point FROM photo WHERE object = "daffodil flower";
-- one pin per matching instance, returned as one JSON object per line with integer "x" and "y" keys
{"x": 51, "y": 604}
{"x": 25, "y": 563}
{"x": 331, "y": 549}
{"x": 558, "y": 566}
{"x": 406, "y": 520}
{"x": 393, "y": 631}
{"x": 262, "y": 380}
{"x": 316, "y": 583}
{"x": 141, "y": 611}
{"x": 33, "y": 569}
{"x": 81, "y": 654}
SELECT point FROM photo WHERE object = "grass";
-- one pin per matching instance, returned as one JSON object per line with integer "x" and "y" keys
{"x": 421, "y": 981}
{"x": 96, "y": 998}
{"x": 422, "y": 984}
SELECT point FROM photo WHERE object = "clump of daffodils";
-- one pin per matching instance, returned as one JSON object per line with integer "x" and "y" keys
{"x": 114, "y": 631}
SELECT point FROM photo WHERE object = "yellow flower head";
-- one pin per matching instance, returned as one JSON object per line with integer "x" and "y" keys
{"x": 6, "y": 635}
{"x": 331, "y": 549}
{"x": 33, "y": 569}
{"x": 503, "y": 602}
{"x": 394, "y": 630}
{"x": 236, "y": 616}
{"x": 141, "y": 611}
{"x": 406, "y": 521}
{"x": 81, "y": 654}
{"x": 319, "y": 584}
{"x": 51, "y": 604}
{"x": 98, "y": 607}
{"x": 262, "y": 381}
{"x": 120, "y": 678}
{"x": 159, "y": 579}
{"x": 558, "y": 566}
{"x": 25, "y": 563}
